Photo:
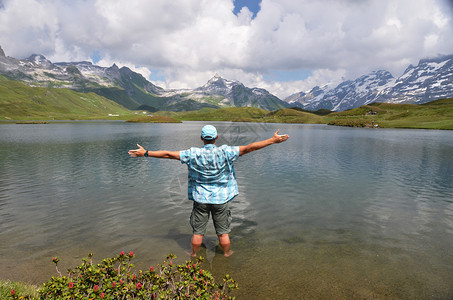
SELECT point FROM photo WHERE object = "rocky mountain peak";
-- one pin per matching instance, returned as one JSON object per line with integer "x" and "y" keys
{"x": 218, "y": 82}
{"x": 114, "y": 67}
{"x": 2, "y": 53}
{"x": 39, "y": 60}
{"x": 113, "y": 72}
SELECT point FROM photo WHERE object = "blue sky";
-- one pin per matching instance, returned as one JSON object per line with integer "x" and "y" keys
{"x": 284, "y": 46}
{"x": 252, "y": 5}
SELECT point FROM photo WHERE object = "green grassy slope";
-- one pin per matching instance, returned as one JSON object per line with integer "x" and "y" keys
{"x": 19, "y": 101}
{"x": 248, "y": 114}
{"x": 432, "y": 115}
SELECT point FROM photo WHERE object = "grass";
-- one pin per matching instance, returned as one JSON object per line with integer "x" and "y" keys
{"x": 289, "y": 115}
{"x": 432, "y": 115}
{"x": 19, "y": 101}
{"x": 236, "y": 114}
{"x": 23, "y": 288}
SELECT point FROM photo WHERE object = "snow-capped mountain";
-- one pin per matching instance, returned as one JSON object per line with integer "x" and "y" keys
{"x": 302, "y": 99}
{"x": 432, "y": 79}
{"x": 131, "y": 89}
{"x": 236, "y": 94}
{"x": 217, "y": 85}
{"x": 36, "y": 70}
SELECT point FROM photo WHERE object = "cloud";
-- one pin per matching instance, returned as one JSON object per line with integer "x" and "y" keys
{"x": 188, "y": 41}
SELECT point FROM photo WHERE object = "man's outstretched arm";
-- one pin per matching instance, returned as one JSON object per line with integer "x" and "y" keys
{"x": 159, "y": 154}
{"x": 275, "y": 139}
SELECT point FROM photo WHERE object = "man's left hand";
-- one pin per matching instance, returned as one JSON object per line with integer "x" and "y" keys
{"x": 137, "y": 152}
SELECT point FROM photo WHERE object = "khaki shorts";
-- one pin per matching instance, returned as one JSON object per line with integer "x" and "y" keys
{"x": 221, "y": 216}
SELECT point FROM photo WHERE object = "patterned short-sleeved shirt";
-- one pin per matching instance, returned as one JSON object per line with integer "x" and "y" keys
{"x": 211, "y": 173}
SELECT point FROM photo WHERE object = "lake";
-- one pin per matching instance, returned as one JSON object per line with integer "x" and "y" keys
{"x": 332, "y": 213}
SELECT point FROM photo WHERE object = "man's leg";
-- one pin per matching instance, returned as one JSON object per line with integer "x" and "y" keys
{"x": 224, "y": 240}
{"x": 197, "y": 239}
{"x": 221, "y": 215}
{"x": 198, "y": 220}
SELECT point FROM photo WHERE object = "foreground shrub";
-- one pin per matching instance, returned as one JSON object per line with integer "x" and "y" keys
{"x": 114, "y": 278}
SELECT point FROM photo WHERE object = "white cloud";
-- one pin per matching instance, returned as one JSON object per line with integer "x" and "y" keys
{"x": 191, "y": 40}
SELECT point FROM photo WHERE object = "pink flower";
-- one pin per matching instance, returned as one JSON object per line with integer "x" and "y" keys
{"x": 121, "y": 281}
{"x": 139, "y": 286}
{"x": 171, "y": 263}
{"x": 95, "y": 288}
{"x": 134, "y": 277}
{"x": 71, "y": 285}
{"x": 13, "y": 292}
{"x": 122, "y": 253}
{"x": 201, "y": 272}
{"x": 113, "y": 284}
{"x": 151, "y": 269}
{"x": 131, "y": 253}
{"x": 102, "y": 295}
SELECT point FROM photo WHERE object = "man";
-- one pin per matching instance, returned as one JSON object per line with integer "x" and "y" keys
{"x": 212, "y": 181}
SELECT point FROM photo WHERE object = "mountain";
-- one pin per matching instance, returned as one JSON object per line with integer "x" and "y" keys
{"x": 234, "y": 93}
{"x": 123, "y": 86}
{"x": 131, "y": 89}
{"x": 302, "y": 99}
{"x": 431, "y": 79}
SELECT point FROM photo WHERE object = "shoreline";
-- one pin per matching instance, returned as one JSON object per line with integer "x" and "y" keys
{"x": 62, "y": 121}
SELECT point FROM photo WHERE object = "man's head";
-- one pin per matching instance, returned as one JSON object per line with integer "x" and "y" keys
{"x": 209, "y": 134}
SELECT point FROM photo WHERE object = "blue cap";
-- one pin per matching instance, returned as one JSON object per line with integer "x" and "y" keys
{"x": 208, "y": 132}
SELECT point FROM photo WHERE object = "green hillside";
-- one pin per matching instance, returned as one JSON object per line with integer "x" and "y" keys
{"x": 432, "y": 115}
{"x": 236, "y": 114}
{"x": 19, "y": 101}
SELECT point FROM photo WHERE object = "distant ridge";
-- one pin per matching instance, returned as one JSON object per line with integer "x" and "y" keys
{"x": 431, "y": 79}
